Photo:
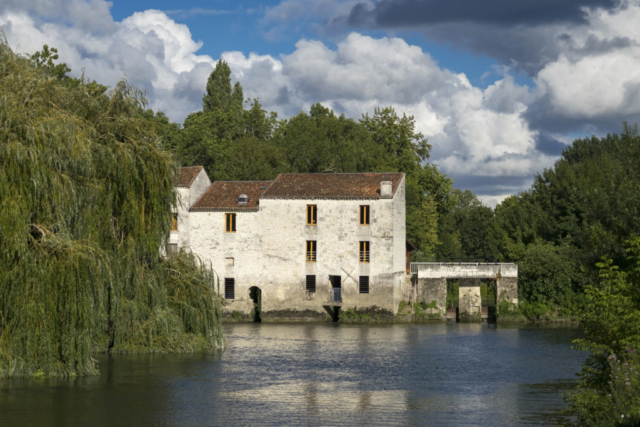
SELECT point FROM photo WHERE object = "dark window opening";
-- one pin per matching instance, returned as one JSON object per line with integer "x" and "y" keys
{"x": 364, "y": 284}
{"x": 311, "y": 283}
{"x": 311, "y": 251}
{"x": 230, "y": 222}
{"x": 364, "y": 215}
{"x": 312, "y": 214}
{"x": 229, "y": 288}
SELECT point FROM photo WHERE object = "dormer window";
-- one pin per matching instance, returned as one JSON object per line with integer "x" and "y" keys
{"x": 243, "y": 199}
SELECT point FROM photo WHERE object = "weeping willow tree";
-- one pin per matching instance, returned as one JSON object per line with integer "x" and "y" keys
{"x": 85, "y": 197}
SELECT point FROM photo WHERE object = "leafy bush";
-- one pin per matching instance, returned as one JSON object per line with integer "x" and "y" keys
{"x": 545, "y": 272}
{"x": 607, "y": 392}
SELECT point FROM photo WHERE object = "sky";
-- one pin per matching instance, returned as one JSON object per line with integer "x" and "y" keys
{"x": 499, "y": 87}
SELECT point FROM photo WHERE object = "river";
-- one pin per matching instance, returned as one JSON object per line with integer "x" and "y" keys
{"x": 449, "y": 374}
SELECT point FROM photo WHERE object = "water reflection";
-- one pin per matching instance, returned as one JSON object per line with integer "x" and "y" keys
{"x": 320, "y": 374}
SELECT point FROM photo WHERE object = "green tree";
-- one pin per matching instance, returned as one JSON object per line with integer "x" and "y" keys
{"x": 219, "y": 94}
{"x": 546, "y": 272}
{"x": 85, "y": 194}
{"x": 397, "y": 136}
{"x": 45, "y": 59}
{"x": 323, "y": 142}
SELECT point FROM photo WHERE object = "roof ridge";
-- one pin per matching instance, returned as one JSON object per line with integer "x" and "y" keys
{"x": 241, "y": 181}
{"x": 338, "y": 173}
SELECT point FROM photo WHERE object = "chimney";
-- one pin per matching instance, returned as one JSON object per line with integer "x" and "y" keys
{"x": 385, "y": 190}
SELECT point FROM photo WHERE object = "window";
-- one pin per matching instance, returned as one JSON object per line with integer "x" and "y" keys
{"x": 311, "y": 283}
{"x": 228, "y": 262}
{"x": 364, "y": 252}
{"x": 174, "y": 222}
{"x": 229, "y": 288}
{"x": 312, "y": 215}
{"x": 364, "y": 215}
{"x": 230, "y": 222}
{"x": 311, "y": 251}
{"x": 173, "y": 248}
{"x": 364, "y": 284}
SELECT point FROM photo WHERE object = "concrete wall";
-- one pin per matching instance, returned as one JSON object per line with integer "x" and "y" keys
{"x": 430, "y": 290}
{"x": 268, "y": 251}
{"x": 507, "y": 289}
{"x": 466, "y": 271}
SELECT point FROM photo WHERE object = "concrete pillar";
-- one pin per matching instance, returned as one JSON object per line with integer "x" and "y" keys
{"x": 469, "y": 302}
{"x": 430, "y": 290}
{"x": 507, "y": 290}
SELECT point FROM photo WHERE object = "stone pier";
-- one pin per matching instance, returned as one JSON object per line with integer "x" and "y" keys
{"x": 433, "y": 290}
{"x": 507, "y": 289}
{"x": 469, "y": 302}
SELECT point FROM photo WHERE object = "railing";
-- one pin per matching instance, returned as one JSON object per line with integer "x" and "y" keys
{"x": 364, "y": 256}
{"x": 415, "y": 266}
{"x": 311, "y": 256}
{"x": 335, "y": 295}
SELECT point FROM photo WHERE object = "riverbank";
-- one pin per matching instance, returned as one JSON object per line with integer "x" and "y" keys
{"x": 416, "y": 313}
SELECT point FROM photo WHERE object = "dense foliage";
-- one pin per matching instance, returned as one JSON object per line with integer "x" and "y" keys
{"x": 607, "y": 394}
{"x": 85, "y": 200}
{"x": 585, "y": 207}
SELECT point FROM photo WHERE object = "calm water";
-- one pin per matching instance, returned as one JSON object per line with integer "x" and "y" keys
{"x": 320, "y": 374}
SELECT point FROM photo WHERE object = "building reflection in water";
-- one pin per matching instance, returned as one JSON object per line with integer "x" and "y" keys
{"x": 319, "y": 374}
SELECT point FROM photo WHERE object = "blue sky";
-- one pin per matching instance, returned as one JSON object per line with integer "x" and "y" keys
{"x": 498, "y": 87}
{"x": 224, "y": 25}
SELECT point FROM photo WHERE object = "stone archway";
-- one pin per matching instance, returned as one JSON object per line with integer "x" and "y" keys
{"x": 255, "y": 293}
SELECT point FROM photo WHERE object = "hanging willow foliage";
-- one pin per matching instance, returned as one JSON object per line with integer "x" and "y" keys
{"x": 85, "y": 196}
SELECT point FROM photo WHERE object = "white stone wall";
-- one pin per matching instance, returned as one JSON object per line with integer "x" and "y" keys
{"x": 186, "y": 198}
{"x": 269, "y": 249}
{"x": 399, "y": 242}
{"x": 210, "y": 242}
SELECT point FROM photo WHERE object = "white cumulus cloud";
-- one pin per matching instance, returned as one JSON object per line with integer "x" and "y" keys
{"x": 494, "y": 138}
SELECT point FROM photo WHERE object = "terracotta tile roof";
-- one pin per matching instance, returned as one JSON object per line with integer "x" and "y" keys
{"x": 331, "y": 185}
{"x": 185, "y": 176}
{"x": 224, "y": 195}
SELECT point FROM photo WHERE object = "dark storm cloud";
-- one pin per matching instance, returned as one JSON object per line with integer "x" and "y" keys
{"x": 492, "y": 185}
{"x": 547, "y": 144}
{"x": 411, "y": 13}
{"x": 524, "y": 34}
{"x": 544, "y": 116}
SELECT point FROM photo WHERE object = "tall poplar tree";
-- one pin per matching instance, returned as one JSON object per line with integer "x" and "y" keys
{"x": 219, "y": 94}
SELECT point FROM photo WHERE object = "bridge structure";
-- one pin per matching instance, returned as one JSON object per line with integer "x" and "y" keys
{"x": 430, "y": 280}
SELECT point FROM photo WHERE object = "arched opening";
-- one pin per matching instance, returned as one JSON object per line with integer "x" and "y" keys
{"x": 255, "y": 293}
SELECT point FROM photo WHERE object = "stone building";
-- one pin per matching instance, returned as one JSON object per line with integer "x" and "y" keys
{"x": 299, "y": 246}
